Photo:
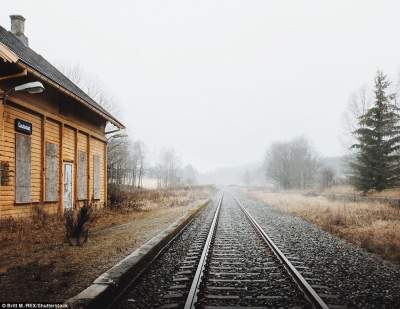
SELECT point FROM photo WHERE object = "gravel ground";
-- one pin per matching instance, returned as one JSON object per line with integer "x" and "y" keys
{"x": 149, "y": 290}
{"x": 242, "y": 270}
{"x": 358, "y": 278}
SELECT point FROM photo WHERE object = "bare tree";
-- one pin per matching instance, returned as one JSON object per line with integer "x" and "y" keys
{"x": 189, "y": 175}
{"x": 126, "y": 161}
{"x": 292, "y": 164}
{"x": 358, "y": 104}
{"x": 138, "y": 155}
{"x": 327, "y": 177}
{"x": 125, "y": 157}
{"x": 91, "y": 85}
{"x": 169, "y": 169}
{"x": 117, "y": 153}
{"x": 277, "y": 164}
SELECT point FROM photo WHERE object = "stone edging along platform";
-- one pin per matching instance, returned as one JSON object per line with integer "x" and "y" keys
{"x": 114, "y": 281}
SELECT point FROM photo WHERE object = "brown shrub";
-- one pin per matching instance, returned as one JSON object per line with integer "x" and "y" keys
{"x": 39, "y": 215}
{"x": 76, "y": 224}
{"x": 9, "y": 224}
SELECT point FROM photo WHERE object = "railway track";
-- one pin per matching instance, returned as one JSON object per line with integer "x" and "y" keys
{"x": 233, "y": 263}
{"x": 241, "y": 269}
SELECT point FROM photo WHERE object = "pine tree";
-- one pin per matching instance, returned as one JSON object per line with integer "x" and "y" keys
{"x": 376, "y": 162}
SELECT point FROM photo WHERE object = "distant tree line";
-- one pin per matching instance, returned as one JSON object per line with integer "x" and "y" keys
{"x": 126, "y": 161}
{"x": 295, "y": 164}
{"x": 372, "y": 136}
{"x": 169, "y": 171}
{"x": 127, "y": 165}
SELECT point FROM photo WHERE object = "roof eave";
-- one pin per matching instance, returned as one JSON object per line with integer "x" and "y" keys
{"x": 7, "y": 55}
{"x": 43, "y": 77}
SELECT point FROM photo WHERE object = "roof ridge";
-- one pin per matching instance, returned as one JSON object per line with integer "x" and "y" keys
{"x": 40, "y": 64}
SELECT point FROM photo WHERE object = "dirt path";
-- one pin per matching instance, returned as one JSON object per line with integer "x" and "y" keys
{"x": 50, "y": 270}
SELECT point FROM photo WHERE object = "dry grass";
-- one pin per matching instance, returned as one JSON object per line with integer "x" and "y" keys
{"x": 349, "y": 190}
{"x": 340, "y": 189}
{"x": 142, "y": 199}
{"x": 372, "y": 226}
{"x": 36, "y": 264}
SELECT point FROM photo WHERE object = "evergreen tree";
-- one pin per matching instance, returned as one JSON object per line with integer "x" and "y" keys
{"x": 376, "y": 162}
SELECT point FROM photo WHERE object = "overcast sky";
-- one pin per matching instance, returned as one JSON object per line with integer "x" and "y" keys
{"x": 220, "y": 80}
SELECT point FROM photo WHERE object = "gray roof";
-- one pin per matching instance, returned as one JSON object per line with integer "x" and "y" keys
{"x": 41, "y": 65}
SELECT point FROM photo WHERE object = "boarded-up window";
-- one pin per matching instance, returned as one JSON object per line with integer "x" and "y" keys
{"x": 51, "y": 172}
{"x": 22, "y": 168}
{"x": 96, "y": 177}
{"x": 82, "y": 176}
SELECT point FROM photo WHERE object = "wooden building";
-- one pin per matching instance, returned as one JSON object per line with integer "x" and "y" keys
{"x": 53, "y": 143}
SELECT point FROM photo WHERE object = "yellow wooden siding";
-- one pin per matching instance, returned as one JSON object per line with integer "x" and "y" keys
{"x": 69, "y": 144}
{"x": 1, "y": 130}
{"x": 52, "y": 132}
{"x": 82, "y": 142}
{"x": 8, "y": 154}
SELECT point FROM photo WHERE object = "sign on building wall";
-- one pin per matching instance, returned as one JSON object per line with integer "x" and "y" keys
{"x": 22, "y": 126}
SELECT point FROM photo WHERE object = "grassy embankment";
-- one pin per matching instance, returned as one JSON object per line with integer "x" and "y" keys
{"x": 349, "y": 190}
{"x": 372, "y": 226}
{"x": 36, "y": 264}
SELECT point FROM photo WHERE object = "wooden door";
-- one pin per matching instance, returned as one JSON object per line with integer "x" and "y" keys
{"x": 68, "y": 185}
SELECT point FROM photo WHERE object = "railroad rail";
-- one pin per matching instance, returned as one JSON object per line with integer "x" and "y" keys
{"x": 311, "y": 295}
{"x": 192, "y": 299}
{"x": 232, "y": 262}
{"x": 195, "y": 286}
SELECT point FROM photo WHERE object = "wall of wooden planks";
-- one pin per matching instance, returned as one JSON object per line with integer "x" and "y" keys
{"x": 69, "y": 135}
